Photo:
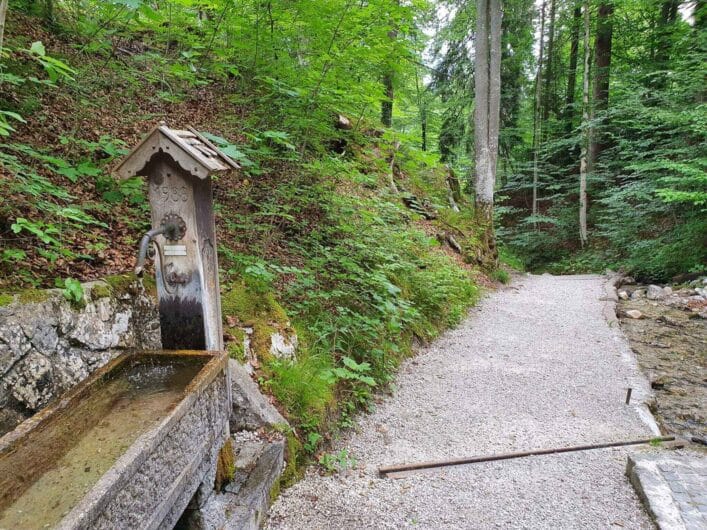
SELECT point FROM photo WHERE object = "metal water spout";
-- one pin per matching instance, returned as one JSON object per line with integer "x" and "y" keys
{"x": 173, "y": 228}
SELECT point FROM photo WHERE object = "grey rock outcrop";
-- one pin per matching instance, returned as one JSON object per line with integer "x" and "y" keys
{"x": 283, "y": 346}
{"x": 251, "y": 409}
{"x": 47, "y": 345}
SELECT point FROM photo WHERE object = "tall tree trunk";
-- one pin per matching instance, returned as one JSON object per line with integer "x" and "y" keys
{"x": 537, "y": 113}
{"x": 602, "y": 64}
{"x": 547, "y": 92}
{"x": 583, "y": 157}
{"x": 453, "y": 184}
{"x": 496, "y": 19}
{"x": 391, "y": 173}
{"x": 669, "y": 11}
{"x": 568, "y": 114}
{"x": 3, "y": 16}
{"x": 700, "y": 15}
{"x": 423, "y": 125}
{"x": 387, "y": 103}
{"x": 454, "y": 189}
{"x": 668, "y": 15}
{"x": 49, "y": 11}
{"x": 487, "y": 82}
{"x": 422, "y": 107}
{"x": 389, "y": 89}
{"x": 481, "y": 103}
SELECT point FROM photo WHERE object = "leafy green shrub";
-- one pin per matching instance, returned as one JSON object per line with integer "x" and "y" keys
{"x": 72, "y": 290}
{"x": 303, "y": 386}
{"x": 507, "y": 257}
{"x": 501, "y": 275}
{"x": 338, "y": 462}
{"x": 55, "y": 69}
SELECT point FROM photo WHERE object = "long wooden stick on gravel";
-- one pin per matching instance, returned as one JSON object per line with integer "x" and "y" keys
{"x": 389, "y": 471}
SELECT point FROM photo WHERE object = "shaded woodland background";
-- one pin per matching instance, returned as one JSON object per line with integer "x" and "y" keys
{"x": 352, "y": 217}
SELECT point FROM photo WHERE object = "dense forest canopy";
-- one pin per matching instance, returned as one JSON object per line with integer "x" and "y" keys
{"x": 642, "y": 125}
{"x": 633, "y": 133}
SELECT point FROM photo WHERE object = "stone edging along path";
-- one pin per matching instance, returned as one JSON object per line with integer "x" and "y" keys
{"x": 538, "y": 364}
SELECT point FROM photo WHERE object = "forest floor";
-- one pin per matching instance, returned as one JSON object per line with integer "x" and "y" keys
{"x": 536, "y": 365}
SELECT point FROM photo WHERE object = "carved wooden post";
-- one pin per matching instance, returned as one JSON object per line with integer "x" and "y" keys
{"x": 178, "y": 165}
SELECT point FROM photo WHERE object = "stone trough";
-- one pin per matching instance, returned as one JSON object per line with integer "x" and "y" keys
{"x": 127, "y": 448}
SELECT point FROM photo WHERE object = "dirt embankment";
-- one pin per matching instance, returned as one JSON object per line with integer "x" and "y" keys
{"x": 667, "y": 328}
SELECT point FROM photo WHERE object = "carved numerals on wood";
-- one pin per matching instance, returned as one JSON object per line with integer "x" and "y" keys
{"x": 165, "y": 194}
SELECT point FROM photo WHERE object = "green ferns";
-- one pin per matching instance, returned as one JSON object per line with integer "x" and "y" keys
{"x": 367, "y": 282}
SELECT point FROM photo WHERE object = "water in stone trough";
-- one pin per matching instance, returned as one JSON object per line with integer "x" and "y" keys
{"x": 50, "y": 470}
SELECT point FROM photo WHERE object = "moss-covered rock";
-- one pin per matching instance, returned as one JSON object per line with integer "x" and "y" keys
{"x": 225, "y": 465}
{"x": 235, "y": 345}
{"x": 100, "y": 290}
{"x": 274, "y": 492}
{"x": 34, "y": 296}
{"x": 246, "y": 308}
{"x": 295, "y": 460}
{"x": 121, "y": 283}
{"x": 6, "y": 299}
{"x": 125, "y": 284}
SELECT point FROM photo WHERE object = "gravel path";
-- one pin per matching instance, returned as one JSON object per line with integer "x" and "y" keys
{"x": 535, "y": 365}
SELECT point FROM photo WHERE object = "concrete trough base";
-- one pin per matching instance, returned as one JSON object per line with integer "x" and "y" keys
{"x": 166, "y": 478}
{"x": 158, "y": 486}
{"x": 243, "y": 503}
{"x": 259, "y": 461}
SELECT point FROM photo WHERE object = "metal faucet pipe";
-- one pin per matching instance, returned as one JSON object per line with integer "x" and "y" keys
{"x": 144, "y": 245}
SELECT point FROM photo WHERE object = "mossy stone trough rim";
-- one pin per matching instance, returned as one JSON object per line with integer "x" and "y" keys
{"x": 129, "y": 463}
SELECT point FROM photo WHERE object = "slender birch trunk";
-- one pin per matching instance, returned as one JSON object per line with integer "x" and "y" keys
{"x": 548, "y": 98}
{"x": 3, "y": 16}
{"x": 387, "y": 103}
{"x": 391, "y": 172}
{"x": 583, "y": 162}
{"x": 537, "y": 123}
{"x": 422, "y": 106}
{"x": 568, "y": 113}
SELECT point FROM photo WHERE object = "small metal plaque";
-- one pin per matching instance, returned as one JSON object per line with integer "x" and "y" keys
{"x": 175, "y": 250}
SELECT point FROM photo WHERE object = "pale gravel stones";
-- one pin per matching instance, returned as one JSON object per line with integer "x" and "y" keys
{"x": 655, "y": 292}
{"x": 535, "y": 365}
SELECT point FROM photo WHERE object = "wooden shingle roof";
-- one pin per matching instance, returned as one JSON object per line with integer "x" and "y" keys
{"x": 194, "y": 153}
